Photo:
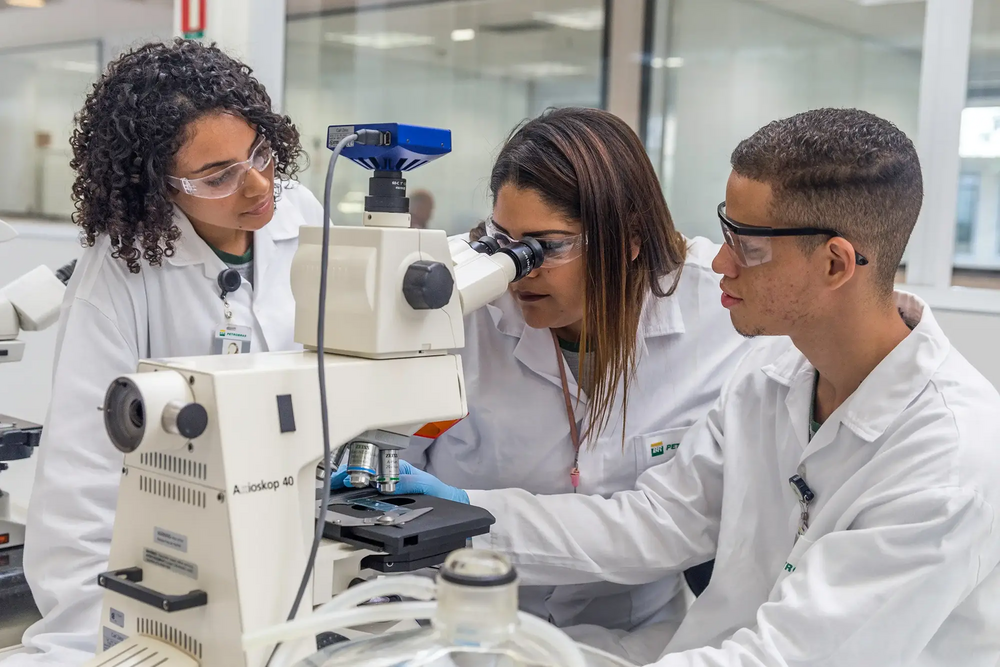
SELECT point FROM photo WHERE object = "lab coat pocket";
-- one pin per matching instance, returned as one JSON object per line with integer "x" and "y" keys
{"x": 655, "y": 448}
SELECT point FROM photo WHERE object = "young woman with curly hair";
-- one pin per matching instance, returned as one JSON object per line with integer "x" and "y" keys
{"x": 183, "y": 171}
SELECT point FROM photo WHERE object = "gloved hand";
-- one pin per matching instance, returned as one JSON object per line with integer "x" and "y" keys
{"x": 416, "y": 481}
{"x": 411, "y": 481}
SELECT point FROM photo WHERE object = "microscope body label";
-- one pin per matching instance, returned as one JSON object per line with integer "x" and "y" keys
{"x": 175, "y": 565}
{"x": 170, "y": 539}
{"x": 262, "y": 485}
{"x": 112, "y": 638}
{"x": 338, "y": 133}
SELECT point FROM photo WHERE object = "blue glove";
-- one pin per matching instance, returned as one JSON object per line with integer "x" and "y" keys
{"x": 340, "y": 479}
{"x": 411, "y": 481}
{"x": 416, "y": 481}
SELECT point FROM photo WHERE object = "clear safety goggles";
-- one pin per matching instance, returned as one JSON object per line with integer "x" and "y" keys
{"x": 557, "y": 251}
{"x": 228, "y": 180}
{"x": 752, "y": 245}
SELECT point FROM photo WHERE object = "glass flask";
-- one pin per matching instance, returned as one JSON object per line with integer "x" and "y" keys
{"x": 474, "y": 623}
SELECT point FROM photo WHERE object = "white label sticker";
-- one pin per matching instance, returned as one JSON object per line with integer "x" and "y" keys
{"x": 336, "y": 134}
{"x": 112, "y": 638}
{"x": 170, "y": 539}
{"x": 175, "y": 565}
{"x": 117, "y": 617}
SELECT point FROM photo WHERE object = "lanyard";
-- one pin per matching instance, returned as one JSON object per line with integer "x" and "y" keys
{"x": 574, "y": 473}
{"x": 227, "y": 310}
{"x": 229, "y": 281}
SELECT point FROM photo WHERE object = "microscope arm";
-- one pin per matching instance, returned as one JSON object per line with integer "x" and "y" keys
{"x": 483, "y": 279}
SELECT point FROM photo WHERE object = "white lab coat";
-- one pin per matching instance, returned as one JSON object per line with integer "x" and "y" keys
{"x": 110, "y": 320}
{"x": 899, "y": 564}
{"x": 517, "y": 432}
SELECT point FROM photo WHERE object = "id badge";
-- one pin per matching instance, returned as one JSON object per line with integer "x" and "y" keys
{"x": 231, "y": 339}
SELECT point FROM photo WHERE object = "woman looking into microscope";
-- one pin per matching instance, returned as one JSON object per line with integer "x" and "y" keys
{"x": 183, "y": 185}
{"x": 591, "y": 369}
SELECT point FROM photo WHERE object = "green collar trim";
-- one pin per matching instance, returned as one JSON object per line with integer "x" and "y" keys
{"x": 236, "y": 260}
{"x": 568, "y": 346}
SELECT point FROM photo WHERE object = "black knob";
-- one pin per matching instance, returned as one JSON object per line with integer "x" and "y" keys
{"x": 192, "y": 420}
{"x": 428, "y": 285}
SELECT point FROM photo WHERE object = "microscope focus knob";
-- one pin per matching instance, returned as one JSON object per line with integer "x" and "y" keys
{"x": 428, "y": 285}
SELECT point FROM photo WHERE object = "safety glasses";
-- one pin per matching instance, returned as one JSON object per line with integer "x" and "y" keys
{"x": 557, "y": 251}
{"x": 752, "y": 245}
{"x": 228, "y": 180}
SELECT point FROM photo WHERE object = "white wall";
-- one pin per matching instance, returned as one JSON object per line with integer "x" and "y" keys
{"x": 117, "y": 22}
{"x": 40, "y": 93}
{"x": 49, "y": 59}
{"x": 745, "y": 65}
{"x": 976, "y": 336}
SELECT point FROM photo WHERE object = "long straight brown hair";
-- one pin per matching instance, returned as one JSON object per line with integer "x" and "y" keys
{"x": 591, "y": 167}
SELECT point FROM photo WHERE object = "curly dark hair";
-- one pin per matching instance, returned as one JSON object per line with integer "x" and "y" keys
{"x": 131, "y": 127}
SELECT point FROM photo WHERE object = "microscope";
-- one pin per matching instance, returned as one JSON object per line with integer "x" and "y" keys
{"x": 219, "y": 500}
{"x": 30, "y": 303}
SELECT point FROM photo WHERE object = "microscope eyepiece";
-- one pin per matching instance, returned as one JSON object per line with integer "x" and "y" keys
{"x": 527, "y": 255}
{"x": 487, "y": 245}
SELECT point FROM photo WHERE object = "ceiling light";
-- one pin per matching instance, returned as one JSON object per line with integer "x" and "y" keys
{"x": 546, "y": 69}
{"x": 875, "y": 3}
{"x": 381, "y": 40}
{"x": 575, "y": 19}
{"x": 463, "y": 35}
{"x": 30, "y": 4}
{"x": 669, "y": 63}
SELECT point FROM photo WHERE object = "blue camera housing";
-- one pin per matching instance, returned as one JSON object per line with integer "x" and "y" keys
{"x": 400, "y": 148}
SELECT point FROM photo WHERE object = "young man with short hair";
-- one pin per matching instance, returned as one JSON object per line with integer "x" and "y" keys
{"x": 848, "y": 480}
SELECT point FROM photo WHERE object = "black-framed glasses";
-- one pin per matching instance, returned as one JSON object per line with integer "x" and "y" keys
{"x": 752, "y": 245}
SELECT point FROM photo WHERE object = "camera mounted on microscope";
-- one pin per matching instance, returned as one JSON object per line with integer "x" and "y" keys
{"x": 389, "y": 149}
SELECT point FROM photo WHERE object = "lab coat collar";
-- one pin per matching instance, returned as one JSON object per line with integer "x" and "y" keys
{"x": 661, "y": 316}
{"x": 190, "y": 249}
{"x": 888, "y": 389}
{"x": 534, "y": 348}
{"x": 283, "y": 226}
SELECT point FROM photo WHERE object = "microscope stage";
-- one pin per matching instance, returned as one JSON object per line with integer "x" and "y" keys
{"x": 423, "y": 542}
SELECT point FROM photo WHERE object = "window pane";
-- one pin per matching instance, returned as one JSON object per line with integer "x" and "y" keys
{"x": 977, "y": 234}
{"x": 41, "y": 89}
{"x": 723, "y": 68}
{"x": 968, "y": 210}
{"x": 477, "y": 69}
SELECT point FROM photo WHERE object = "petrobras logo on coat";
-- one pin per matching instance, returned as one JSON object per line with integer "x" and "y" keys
{"x": 262, "y": 485}
{"x": 659, "y": 449}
